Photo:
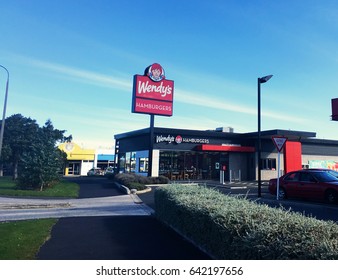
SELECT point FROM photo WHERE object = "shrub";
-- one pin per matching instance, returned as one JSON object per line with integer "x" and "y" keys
{"x": 137, "y": 186}
{"x": 130, "y": 179}
{"x": 124, "y": 179}
{"x": 160, "y": 180}
{"x": 232, "y": 228}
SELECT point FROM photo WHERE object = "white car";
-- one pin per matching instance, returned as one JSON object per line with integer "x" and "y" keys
{"x": 95, "y": 172}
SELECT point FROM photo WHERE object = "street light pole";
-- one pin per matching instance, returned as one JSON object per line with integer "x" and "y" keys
{"x": 259, "y": 82}
{"x": 4, "y": 111}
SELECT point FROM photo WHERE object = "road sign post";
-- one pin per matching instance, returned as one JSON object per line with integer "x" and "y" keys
{"x": 278, "y": 175}
{"x": 279, "y": 143}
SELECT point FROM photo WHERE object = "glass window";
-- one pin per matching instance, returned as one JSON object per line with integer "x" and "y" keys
{"x": 127, "y": 165}
{"x": 122, "y": 162}
{"x": 133, "y": 162}
{"x": 268, "y": 163}
{"x": 306, "y": 177}
{"x": 184, "y": 165}
{"x": 143, "y": 165}
{"x": 324, "y": 177}
{"x": 166, "y": 163}
{"x": 292, "y": 177}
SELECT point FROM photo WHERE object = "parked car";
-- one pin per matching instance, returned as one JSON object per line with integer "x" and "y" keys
{"x": 95, "y": 172}
{"x": 109, "y": 171}
{"x": 313, "y": 184}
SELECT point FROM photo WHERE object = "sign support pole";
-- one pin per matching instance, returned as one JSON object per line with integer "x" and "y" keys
{"x": 278, "y": 175}
{"x": 151, "y": 145}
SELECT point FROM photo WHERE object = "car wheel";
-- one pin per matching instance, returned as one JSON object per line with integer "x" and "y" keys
{"x": 282, "y": 193}
{"x": 331, "y": 196}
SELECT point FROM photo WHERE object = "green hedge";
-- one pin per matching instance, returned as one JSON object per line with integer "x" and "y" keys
{"x": 234, "y": 228}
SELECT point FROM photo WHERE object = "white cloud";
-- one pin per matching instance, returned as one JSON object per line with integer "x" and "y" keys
{"x": 217, "y": 103}
{"x": 182, "y": 96}
{"x": 96, "y": 78}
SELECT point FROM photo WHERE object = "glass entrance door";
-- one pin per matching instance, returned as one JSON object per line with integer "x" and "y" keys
{"x": 74, "y": 168}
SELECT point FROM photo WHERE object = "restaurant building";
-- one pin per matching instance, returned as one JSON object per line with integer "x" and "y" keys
{"x": 183, "y": 154}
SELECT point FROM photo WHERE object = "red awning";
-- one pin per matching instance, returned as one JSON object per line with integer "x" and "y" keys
{"x": 225, "y": 148}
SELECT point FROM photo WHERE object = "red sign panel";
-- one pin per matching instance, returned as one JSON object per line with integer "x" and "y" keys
{"x": 334, "y": 104}
{"x": 292, "y": 156}
{"x": 149, "y": 106}
{"x": 228, "y": 148}
{"x": 144, "y": 87}
{"x": 152, "y": 93}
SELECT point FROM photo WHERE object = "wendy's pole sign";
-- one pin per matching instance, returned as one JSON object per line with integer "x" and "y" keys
{"x": 152, "y": 93}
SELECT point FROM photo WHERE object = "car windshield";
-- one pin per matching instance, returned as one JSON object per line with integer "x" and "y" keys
{"x": 324, "y": 177}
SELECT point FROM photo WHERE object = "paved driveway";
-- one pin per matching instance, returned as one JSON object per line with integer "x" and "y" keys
{"x": 128, "y": 232}
{"x": 98, "y": 197}
{"x": 24, "y": 209}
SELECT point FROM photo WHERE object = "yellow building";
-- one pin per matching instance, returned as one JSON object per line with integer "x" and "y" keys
{"x": 80, "y": 160}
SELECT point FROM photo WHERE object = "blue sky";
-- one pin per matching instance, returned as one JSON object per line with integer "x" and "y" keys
{"x": 73, "y": 61}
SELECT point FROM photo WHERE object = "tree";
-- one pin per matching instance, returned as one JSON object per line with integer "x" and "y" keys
{"x": 32, "y": 151}
{"x": 42, "y": 164}
{"x": 19, "y": 135}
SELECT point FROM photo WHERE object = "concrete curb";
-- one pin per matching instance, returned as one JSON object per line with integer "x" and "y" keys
{"x": 135, "y": 198}
{"x": 33, "y": 205}
{"x": 148, "y": 189}
{"x": 123, "y": 188}
{"x": 133, "y": 192}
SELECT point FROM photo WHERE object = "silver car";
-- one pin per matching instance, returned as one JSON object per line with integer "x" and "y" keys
{"x": 95, "y": 172}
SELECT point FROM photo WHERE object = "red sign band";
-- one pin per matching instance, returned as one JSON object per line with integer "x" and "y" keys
{"x": 149, "y": 106}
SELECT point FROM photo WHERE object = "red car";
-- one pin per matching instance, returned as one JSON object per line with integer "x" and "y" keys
{"x": 308, "y": 184}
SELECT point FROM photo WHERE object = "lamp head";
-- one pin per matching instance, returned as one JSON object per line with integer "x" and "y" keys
{"x": 265, "y": 79}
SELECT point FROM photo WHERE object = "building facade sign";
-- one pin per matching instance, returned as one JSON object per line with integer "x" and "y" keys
{"x": 178, "y": 139}
{"x": 152, "y": 93}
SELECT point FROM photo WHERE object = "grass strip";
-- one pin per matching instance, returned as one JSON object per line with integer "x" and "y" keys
{"x": 8, "y": 187}
{"x": 21, "y": 240}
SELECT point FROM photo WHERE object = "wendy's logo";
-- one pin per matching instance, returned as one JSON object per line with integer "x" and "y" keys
{"x": 155, "y": 72}
{"x": 178, "y": 139}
